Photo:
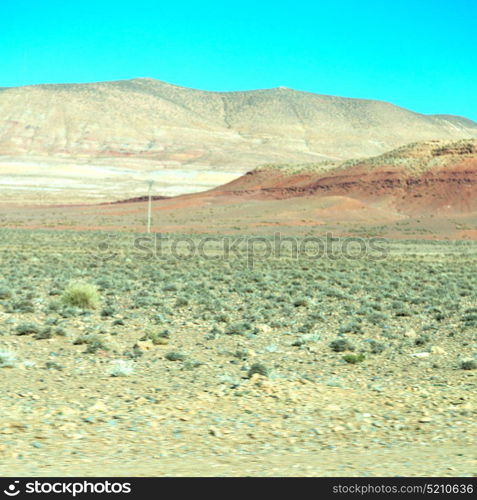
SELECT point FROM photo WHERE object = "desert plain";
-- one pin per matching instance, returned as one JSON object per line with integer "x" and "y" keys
{"x": 305, "y": 303}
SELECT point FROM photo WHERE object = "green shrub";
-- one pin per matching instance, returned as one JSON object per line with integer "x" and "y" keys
{"x": 95, "y": 345}
{"x": 341, "y": 345}
{"x": 241, "y": 328}
{"x": 421, "y": 340}
{"x": 259, "y": 368}
{"x": 45, "y": 333}
{"x": 181, "y": 302}
{"x": 468, "y": 364}
{"x": 157, "y": 338}
{"x": 301, "y": 302}
{"x": 376, "y": 347}
{"x": 27, "y": 329}
{"x": 354, "y": 358}
{"x": 107, "y": 312}
{"x": 175, "y": 356}
{"x": 81, "y": 294}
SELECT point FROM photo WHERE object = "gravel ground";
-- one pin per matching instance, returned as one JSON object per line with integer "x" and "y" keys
{"x": 204, "y": 368}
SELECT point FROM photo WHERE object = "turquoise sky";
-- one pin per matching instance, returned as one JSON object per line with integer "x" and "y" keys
{"x": 419, "y": 54}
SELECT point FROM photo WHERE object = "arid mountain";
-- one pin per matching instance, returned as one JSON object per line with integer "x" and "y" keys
{"x": 122, "y": 122}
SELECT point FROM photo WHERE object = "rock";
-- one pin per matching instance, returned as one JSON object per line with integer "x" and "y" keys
{"x": 264, "y": 328}
{"x": 213, "y": 431}
{"x": 145, "y": 345}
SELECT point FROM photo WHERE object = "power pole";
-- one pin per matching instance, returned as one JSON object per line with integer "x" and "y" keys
{"x": 149, "y": 206}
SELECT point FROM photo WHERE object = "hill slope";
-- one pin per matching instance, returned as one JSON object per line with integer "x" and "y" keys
{"x": 426, "y": 177}
{"x": 176, "y": 126}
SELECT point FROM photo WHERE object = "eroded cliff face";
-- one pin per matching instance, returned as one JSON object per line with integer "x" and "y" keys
{"x": 418, "y": 179}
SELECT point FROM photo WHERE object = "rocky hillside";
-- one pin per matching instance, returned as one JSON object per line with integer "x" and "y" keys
{"x": 418, "y": 178}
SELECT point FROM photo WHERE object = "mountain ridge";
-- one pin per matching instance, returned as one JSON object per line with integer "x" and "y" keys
{"x": 143, "y": 118}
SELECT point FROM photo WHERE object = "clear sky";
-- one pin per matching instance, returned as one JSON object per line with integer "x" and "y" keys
{"x": 419, "y": 54}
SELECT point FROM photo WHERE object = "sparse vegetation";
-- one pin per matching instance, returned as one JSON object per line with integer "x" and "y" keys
{"x": 272, "y": 351}
{"x": 468, "y": 364}
{"x": 27, "y": 329}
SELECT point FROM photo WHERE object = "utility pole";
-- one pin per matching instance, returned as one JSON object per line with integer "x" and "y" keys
{"x": 149, "y": 206}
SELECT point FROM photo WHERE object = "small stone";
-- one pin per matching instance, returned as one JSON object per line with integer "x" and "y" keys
{"x": 213, "y": 431}
{"x": 425, "y": 420}
{"x": 145, "y": 345}
{"x": 264, "y": 328}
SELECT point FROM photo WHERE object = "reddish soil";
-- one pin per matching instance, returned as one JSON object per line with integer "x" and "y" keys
{"x": 436, "y": 198}
{"x": 450, "y": 189}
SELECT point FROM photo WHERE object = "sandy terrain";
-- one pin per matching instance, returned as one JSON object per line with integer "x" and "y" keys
{"x": 335, "y": 367}
{"x": 43, "y": 181}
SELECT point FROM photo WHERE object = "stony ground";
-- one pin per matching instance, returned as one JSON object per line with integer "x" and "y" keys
{"x": 275, "y": 365}
{"x": 239, "y": 215}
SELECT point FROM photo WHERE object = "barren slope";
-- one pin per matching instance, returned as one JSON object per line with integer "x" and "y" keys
{"x": 176, "y": 126}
